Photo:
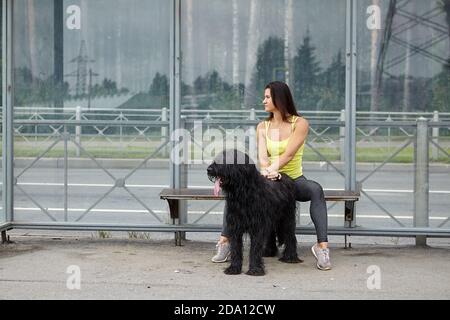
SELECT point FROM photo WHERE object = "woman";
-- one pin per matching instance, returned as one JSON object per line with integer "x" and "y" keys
{"x": 281, "y": 140}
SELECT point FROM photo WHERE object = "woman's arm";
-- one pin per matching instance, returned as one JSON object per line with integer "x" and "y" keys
{"x": 262, "y": 146}
{"x": 295, "y": 142}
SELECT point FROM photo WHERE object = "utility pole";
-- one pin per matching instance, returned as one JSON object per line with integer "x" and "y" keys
{"x": 82, "y": 73}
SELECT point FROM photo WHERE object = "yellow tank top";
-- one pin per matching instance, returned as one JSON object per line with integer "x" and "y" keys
{"x": 276, "y": 148}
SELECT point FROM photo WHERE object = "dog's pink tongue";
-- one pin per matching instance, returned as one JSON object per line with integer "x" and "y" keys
{"x": 217, "y": 187}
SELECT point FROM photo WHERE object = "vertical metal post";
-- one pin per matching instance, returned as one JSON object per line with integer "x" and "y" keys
{"x": 66, "y": 168}
{"x": 183, "y": 178}
{"x": 175, "y": 94}
{"x": 121, "y": 117}
{"x": 7, "y": 103}
{"x": 389, "y": 119}
{"x": 36, "y": 131}
{"x": 435, "y": 136}
{"x": 172, "y": 79}
{"x": 178, "y": 177}
{"x": 78, "y": 130}
{"x": 421, "y": 185}
{"x": 350, "y": 98}
{"x": 4, "y": 122}
{"x": 342, "y": 136}
{"x": 164, "y": 130}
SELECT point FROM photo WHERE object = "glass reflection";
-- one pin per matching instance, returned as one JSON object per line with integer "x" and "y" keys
{"x": 94, "y": 54}
{"x": 232, "y": 49}
{"x": 404, "y": 56}
{"x": 89, "y": 60}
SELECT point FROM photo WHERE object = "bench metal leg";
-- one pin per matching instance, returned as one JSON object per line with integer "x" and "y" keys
{"x": 178, "y": 238}
{"x": 177, "y": 234}
{"x": 349, "y": 215}
{"x": 5, "y": 238}
{"x": 348, "y": 244}
{"x": 174, "y": 205}
{"x": 349, "y": 220}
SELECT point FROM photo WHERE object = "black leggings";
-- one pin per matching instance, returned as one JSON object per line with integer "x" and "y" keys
{"x": 306, "y": 190}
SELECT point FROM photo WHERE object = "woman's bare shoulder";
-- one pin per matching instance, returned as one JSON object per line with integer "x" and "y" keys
{"x": 301, "y": 122}
{"x": 260, "y": 125}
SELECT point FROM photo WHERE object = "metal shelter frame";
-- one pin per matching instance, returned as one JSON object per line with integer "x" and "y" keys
{"x": 175, "y": 121}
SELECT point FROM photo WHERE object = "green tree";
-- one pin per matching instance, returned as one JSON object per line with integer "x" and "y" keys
{"x": 212, "y": 92}
{"x": 441, "y": 83}
{"x": 306, "y": 75}
{"x": 159, "y": 90}
{"x": 107, "y": 88}
{"x": 332, "y": 89}
{"x": 269, "y": 63}
{"x": 33, "y": 90}
{"x": 441, "y": 91}
{"x": 160, "y": 85}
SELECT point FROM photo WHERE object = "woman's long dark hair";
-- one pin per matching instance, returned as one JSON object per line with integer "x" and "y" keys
{"x": 282, "y": 99}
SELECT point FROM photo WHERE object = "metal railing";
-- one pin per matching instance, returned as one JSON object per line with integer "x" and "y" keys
{"x": 325, "y": 127}
{"x": 163, "y": 114}
{"x": 108, "y": 117}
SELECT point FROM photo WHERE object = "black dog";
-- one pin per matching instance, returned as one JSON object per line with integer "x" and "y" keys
{"x": 263, "y": 208}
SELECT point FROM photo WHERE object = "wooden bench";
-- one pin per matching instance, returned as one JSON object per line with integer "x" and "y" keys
{"x": 174, "y": 196}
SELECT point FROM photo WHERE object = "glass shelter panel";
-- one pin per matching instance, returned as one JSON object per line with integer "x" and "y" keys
{"x": 232, "y": 49}
{"x": 403, "y": 74}
{"x": 81, "y": 67}
{"x": 3, "y": 127}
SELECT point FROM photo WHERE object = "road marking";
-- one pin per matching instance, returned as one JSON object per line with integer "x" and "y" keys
{"x": 363, "y": 216}
{"x": 403, "y": 191}
{"x": 162, "y": 186}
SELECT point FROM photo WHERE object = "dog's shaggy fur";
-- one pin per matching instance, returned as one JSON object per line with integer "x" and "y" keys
{"x": 263, "y": 208}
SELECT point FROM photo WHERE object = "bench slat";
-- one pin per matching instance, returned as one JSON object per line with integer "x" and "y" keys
{"x": 208, "y": 194}
{"x": 174, "y": 196}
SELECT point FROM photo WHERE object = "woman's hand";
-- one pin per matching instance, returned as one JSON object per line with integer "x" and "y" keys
{"x": 271, "y": 174}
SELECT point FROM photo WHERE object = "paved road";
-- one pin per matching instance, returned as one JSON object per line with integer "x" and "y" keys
{"x": 53, "y": 267}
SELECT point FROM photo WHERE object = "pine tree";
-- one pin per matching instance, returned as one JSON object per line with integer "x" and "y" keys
{"x": 159, "y": 89}
{"x": 160, "y": 85}
{"x": 334, "y": 75}
{"x": 332, "y": 81}
{"x": 306, "y": 75}
{"x": 270, "y": 60}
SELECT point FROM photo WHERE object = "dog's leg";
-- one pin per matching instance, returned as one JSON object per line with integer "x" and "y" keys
{"x": 236, "y": 254}
{"x": 290, "y": 250}
{"x": 256, "y": 266}
{"x": 270, "y": 249}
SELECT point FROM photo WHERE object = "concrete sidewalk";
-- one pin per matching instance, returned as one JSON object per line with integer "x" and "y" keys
{"x": 45, "y": 267}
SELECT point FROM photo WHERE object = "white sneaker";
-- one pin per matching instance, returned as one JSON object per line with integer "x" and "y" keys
{"x": 322, "y": 256}
{"x": 223, "y": 253}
